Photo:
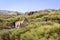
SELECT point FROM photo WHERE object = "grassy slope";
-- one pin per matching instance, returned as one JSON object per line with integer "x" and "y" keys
{"x": 42, "y": 25}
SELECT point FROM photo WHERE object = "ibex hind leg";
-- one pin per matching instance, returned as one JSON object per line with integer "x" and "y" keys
{"x": 16, "y": 26}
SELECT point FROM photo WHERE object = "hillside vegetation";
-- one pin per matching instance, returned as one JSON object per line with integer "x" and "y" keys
{"x": 41, "y": 25}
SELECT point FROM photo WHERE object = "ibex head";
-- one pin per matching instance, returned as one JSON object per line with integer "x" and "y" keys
{"x": 25, "y": 19}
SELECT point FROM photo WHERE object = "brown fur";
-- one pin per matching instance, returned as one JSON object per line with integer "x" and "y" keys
{"x": 19, "y": 24}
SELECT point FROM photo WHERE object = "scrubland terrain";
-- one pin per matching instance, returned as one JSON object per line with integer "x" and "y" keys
{"x": 41, "y": 25}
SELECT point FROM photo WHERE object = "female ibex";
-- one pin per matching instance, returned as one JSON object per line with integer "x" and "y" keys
{"x": 19, "y": 24}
